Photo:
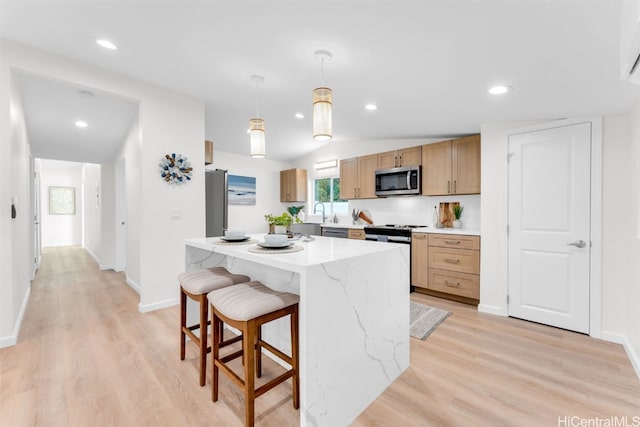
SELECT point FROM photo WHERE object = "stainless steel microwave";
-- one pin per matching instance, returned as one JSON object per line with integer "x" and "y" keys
{"x": 398, "y": 181}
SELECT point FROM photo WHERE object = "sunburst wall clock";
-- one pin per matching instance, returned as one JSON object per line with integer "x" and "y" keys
{"x": 175, "y": 169}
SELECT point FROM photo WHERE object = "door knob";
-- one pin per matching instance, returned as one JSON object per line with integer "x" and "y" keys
{"x": 578, "y": 244}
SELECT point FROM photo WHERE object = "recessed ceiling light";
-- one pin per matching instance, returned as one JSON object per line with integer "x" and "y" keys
{"x": 371, "y": 107}
{"x": 299, "y": 116}
{"x": 107, "y": 44}
{"x": 81, "y": 124}
{"x": 500, "y": 90}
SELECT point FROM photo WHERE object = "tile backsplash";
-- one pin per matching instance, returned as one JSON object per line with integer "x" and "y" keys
{"x": 417, "y": 210}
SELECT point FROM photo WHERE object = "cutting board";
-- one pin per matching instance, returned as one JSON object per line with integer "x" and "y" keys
{"x": 446, "y": 213}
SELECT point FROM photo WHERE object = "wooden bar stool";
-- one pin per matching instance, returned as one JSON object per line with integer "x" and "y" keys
{"x": 196, "y": 285}
{"x": 247, "y": 307}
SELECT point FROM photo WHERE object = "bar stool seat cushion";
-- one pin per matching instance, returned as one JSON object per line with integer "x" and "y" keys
{"x": 247, "y": 301}
{"x": 209, "y": 279}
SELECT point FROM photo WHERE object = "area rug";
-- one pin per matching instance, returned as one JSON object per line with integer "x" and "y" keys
{"x": 425, "y": 319}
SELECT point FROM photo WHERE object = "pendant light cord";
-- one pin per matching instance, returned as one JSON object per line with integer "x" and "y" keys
{"x": 257, "y": 104}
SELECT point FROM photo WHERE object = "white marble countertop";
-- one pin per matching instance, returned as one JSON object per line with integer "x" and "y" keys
{"x": 322, "y": 250}
{"x": 465, "y": 231}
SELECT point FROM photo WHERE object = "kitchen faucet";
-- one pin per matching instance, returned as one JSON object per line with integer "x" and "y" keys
{"x": 324, "y": 215}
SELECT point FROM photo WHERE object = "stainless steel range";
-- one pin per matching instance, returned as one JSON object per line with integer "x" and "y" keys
{"x": 390, "y": 232}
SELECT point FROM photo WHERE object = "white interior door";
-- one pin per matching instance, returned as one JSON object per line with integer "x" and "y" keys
{"x": 37, "y": 238}
{"x": 549, "y": 226}
{"x": 121, "y": 216}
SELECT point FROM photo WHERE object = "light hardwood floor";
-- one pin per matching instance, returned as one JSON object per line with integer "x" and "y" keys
{"x": 86, "y": 356}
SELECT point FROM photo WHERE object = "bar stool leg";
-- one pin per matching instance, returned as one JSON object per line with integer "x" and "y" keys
{"x": 248, "y": 344}
{"x": 183, "y": 322}
{"x": 259, "y": 353}
{"x": 216, "y": 325}
{"x": 204, "y": 316}
{"x": 295, "y": 362}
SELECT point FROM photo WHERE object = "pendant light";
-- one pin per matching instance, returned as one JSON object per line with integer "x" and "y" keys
{"x": 256, "y": 127}
{"x": 322, "y": 104}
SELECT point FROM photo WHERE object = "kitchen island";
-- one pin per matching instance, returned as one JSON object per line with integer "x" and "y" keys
{"x": 354, "y": 316}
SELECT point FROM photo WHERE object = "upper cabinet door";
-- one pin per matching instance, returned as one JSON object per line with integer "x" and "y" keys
{"x": 436, "y": 169}
{"x": 388, "y": 160}
{"x": 293, "y": 185}
{"x": 465, "y": 165}
{"x": 348, "y": 178}
{"x": 451, "y": 167}
{"x": 410, "y": 156}
{"x": 367, "y": 166}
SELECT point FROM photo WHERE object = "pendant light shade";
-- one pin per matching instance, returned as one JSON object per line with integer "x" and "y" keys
{"x": 322, "y": 104}
{"x": 257, "y": 138}
{"x": 322, "y": 114}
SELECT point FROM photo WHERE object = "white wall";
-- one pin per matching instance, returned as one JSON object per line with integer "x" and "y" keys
{"x": 632, "y": 298}
{"x": 168, "y": 122}
{"x": 16, "y": 248}
{"x": 61, "y": 230}
{"x": 416, "y": 210}
{"x": 267, "y": 173}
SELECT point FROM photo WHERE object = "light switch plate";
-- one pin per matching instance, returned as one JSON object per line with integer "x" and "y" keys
{"x": 175, "y": 214}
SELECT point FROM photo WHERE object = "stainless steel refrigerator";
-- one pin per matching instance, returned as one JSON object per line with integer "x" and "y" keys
{"x": 217, "y": 202}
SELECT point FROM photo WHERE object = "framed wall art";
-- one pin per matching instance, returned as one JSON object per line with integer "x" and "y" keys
{"x": 242, "y": 190}
{"x": 62, "y": 200}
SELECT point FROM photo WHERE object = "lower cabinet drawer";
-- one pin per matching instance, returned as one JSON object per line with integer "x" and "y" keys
{"x": 355, "y": 233}
{"x": 459, "y": 260}
{"x": 451, "y": 282}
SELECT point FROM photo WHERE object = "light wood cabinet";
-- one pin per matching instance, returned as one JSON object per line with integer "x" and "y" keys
{"x": 293, "y": 185}
{"x": 358, "y": 177}
{"x": 397, "y": 158}
{"x": 451, "y": 167}
{"x": 419, "y": 259}
{"x": 356, "y": 233}
{"x": 447, "y": 266}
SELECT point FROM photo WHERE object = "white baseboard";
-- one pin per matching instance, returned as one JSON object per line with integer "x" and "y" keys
{"x": 145, "y": 308}
{"x": 618, "y": 338}
{"x": 13, "y": 338}
{"x": 491, "y": 309}
{"x": 133, "y": 285}
{"x": 107, "y": 267}
{"x": 90, "y": 252}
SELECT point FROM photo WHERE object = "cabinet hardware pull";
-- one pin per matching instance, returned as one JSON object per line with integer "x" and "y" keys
{"x": 455, "y": 185}
{"x": 452, "y": 284}
{"x": 448, "y": 187}
{"x": 452, "y": 242}
{"x": 452, "y": 261}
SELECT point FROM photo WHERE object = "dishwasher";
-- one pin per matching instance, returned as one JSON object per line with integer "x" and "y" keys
{"x": 342, "y": 233}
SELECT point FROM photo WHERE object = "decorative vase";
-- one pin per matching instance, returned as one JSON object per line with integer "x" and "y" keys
{"x": 457, "y": 223}
{"x": 280, "y": 229}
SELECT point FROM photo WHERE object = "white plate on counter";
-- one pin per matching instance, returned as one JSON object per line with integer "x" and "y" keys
{"x": 234, "y": 238}
{"x": 275, "y": 245}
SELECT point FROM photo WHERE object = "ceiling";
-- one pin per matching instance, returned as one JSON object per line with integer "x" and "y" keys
{"x": 426, "y": 64}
